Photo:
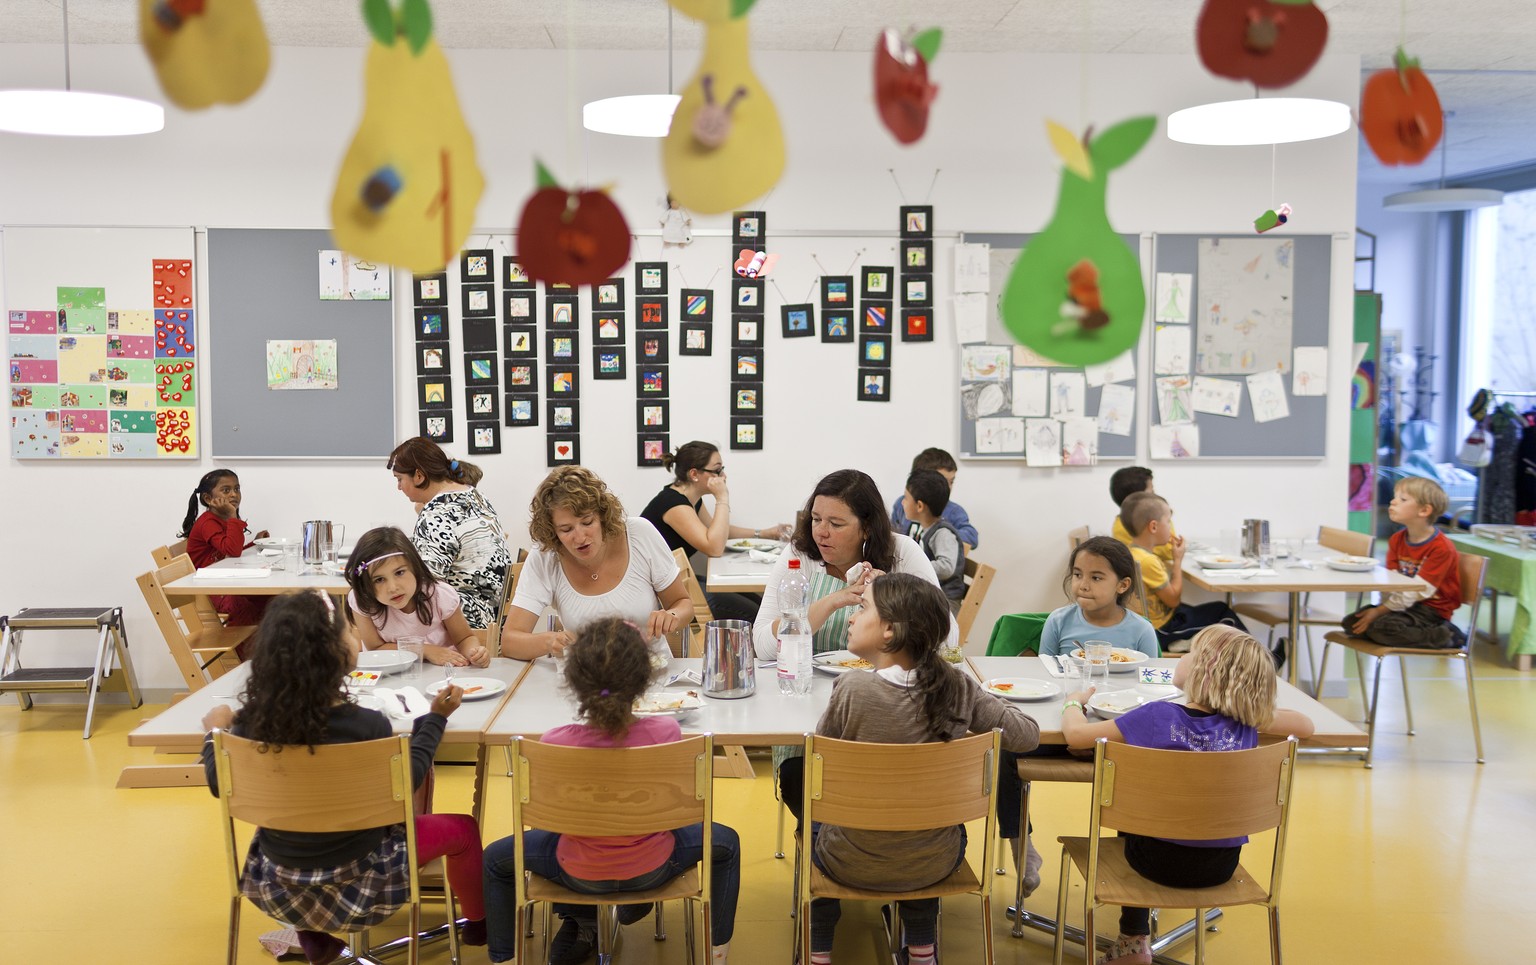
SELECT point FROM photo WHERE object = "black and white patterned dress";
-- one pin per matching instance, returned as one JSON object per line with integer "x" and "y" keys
{"x": 461, "y": 541}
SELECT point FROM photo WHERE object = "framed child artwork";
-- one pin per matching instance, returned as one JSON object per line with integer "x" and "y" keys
{"x": 562, "y": 450}
{"x": 480, "y": 334}
{"x": 434, "y": 392}
{"x": 874, "y": 385}
{"x": 608, "y": 363}
{"x": 651, "y": 449}
{"x": 480, "y": 369}
{"x": 695, "y": 338}
{"x": 563, "y": 415}
{"x": 747, "y": 365}
{"x": 875, "y": 282}
{"x": 748, "y": 229}
{"x": 747, "y": 295}
{"x": 522, "y": 410}
{"x": 747, "y": 398}
{"x": 651, "y": 277}
{"x": 560, "y": 347}
{"x": 431, "y": 325}
{"x": 432, "y": 359}
{"x": 564, "y": 381}
{"x": 746, "y": 433}
{"x": 917, "y": 255}
{"x": 651, "y": 347}
{"x": 607, "y": 329}
{"x": 836, "y": 292}
{"x": 698, "y": 305}
{"x": 651, "y": 381}
{"x": 478, "y": 300}
{"x": 437, "y": 425}
{"x": 520, "y": 306}
{"x": 917, "y": 324}
{"x": 512, "y": 273}
{"x": 478, "y": 265}
{"x": 917, "y": 221}
{"x": 484, "y": 438}
{"x": 746, "y": 330}
{"x": 797, "y": 321}
{"x": 837, "y": 326}
{"x": 876, "y": 317}
{"x": 561, "y": 311}
{"x": 522, "y": 378}
{"x": 916, "y": 291}
{"x": 431, "y": 290}
{"x": 520, "y": 341}
{"x": 875, "y": 350}
{"x": 650, "y": 312}
{"x": 480, "y": 404}
{"x": 653, "y": 415}
{"x": 608, "y": 296}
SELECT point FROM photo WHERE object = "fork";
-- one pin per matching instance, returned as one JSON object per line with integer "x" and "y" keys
{"x": 403, "y": 702}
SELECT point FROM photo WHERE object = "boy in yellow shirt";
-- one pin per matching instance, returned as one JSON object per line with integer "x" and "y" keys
{"x": 1149, "y": 519}
{"x": 1127, "y": 482}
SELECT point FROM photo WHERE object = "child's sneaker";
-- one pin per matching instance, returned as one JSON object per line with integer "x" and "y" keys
{"x": 1135, "y": 950}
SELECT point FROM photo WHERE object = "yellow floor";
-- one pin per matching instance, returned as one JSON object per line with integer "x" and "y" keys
{"x": 1426, "y": 858}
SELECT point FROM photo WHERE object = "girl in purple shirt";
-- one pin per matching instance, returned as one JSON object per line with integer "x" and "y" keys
{"x": 1228, "y": 679}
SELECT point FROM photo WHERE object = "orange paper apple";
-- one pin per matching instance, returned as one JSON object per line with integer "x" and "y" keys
{"x": 1400, "y": 113}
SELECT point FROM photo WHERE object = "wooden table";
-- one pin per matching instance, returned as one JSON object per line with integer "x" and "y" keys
{"x": 281, "y": 581}
{"x": 737, "y": 573}
{"x": 1511, "y": 571}
{"x": 1297, "y": 576}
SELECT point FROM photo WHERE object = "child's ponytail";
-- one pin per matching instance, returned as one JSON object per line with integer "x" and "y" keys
{"x": 918, "y": 614}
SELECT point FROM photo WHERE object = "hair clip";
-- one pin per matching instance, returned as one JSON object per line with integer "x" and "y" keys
{"x": 453, "y": 465}
{"x": 604, "y": 692}
{"x": 330, "y": 606}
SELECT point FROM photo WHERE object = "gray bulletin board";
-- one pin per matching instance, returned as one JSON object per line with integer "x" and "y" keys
{"x": 1302, "y": 434}
{"x": 264, "y": 284}
{"x": 1005, "y": 250}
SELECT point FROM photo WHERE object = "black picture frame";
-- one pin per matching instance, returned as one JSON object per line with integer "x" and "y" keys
{"x": 562, "y": 449}
{"x": 477, "y": 301}
{"x": 437, "y": 425}
{"x": 431, "y": 324}
{"x": 607, "y": 328}
{"x": 480, "y": 334}
{"x": 917, "y": 291}
{"x": 917, "y": 324}
{"x": 562, "y": 311}
{"x": 651, "y": 448}
{"x": 837, "y": 326}
{"x": 875, "y": 351}
{"x": 652, "y": 347}
{"x": 877, "y": 282}
{"x": 563, "y": 415}
{"x": 652, "y": 381}
{"x": 520, "y": 306}
{"x": 434, "y": 392}
{"x": 480, "y": 368}
{"x": 653, "y": 408}
{"x": 477, "y": 266}
{"x": 430, "y": 290}
{"x": 520, "y": 411}
{"x": 695, "y": 338}
{"x": 521, "y": 376}
{"x": 747, "y": 295}
{"x": 696, "y": 305}
{"x": 482, "y": 403}
{"x": 836, "y": 292}
{"x": 746, "y": 331}
{"x": 650, "y": 311}
{"x": 608, "y": 296}
{"x": 917, "y": 255}
{"x": 610, "y": 363}
{"x": 650, "y": 278}
{"x": 562, "y": 346}
{"x": 513, "y": 276}
{"x": 876, "y": 317}
{"x": 797, "y": 321}
{"x": 917, "y": 221}
{"x": 747, "y": 398}
{"x": 564, "y": 381}
{"x": 746, "y": 365}
{"x": 749, "y": 229}
{"x": 874, "y": 385}
{"x": 432, "y": 358}
{"x": 482, "y": 437}
{"x": 520, "y": 341}
{"x": 746, "y": 433}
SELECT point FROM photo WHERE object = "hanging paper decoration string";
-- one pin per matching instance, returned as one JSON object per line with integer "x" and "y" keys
{"x": 434, "y": 367}
{"x": 1271, "y": 44}
{"x": 569, "y": 237}
{"x": 903, "y": 93}
{"x": 205, "y": 52}
{"x": 409, "y": 183}
{"x": 653, "y": 416}
{"x": 520, "y": 345}
{"x": 1075, "y": 294}
{"x": 1400, "y": 113}
{"x": 916, "y": 230}
{"x": 725, "y": 146}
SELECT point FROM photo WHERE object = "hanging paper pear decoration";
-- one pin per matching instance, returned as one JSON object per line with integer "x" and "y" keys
{"x": 1400, "y": 113}
{"x": 903, "y": 92}
{"x": 726, "y": 146}
{"x": 1075, "y": 294}
{"x": 205, "y": 52}
{"x": 1272, "y": 43}
{"x": 409, "y": 183}
{"x": 567, "y": 237}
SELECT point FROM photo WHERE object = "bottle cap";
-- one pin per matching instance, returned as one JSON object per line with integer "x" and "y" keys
{"x": 794, "y": 562}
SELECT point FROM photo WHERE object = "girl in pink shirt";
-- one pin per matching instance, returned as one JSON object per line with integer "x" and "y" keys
{"x": 395, "y": 590}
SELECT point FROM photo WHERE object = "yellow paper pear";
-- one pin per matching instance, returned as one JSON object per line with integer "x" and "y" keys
{"x": 205, "y": 51}
{"x": 409, "y": 183}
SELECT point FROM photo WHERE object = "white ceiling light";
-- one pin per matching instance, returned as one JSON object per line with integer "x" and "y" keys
{"x": 76, "y": 113}
{"x": 1443, "y": 198}
{"x": 1260, "y": 120}
{"x": 637, "y": 115}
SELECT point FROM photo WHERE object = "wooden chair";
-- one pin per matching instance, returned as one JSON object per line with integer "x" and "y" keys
{"x": 164, "y": 554}
{"x": 330, "y": 787}
{"x": 199, "y": 647}
{"x": 1188, "y": 795}
{"x": 978, "y": 578}
{"x": 1058, "y": 770}
{"x": 1473, "y": 569}
{"x": 604, "y": 791}
{"x": 509, "y": 590}
{"x": 869, "y": 786}
{"x": 1075, "y": 536}
{"x": 694, "y": 632}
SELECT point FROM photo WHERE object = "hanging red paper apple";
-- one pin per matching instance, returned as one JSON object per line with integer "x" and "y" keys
{"x": 903, "y": 92}
{"x": 1400, "y": 113}
{"x": 569, "y": 237}
{"x": 1272, "y": 43}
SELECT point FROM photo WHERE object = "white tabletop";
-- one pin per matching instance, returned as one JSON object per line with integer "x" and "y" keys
{"x": 1305, "y": 573}
{"x": 280, "y": 581}
{"x": 761, "y": 720}
{"x": 1332, "y": 730}
{"x": 737, "y": 573}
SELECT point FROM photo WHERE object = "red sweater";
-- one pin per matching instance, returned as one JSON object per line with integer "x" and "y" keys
{"x": 213, "y": 538}
{"x": 1434, "y": 561}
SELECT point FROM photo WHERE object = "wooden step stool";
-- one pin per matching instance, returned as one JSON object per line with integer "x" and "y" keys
{"x": 111, "y": 641}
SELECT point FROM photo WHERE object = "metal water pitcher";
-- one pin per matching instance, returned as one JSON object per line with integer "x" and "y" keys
{"x": 730, "y": 663}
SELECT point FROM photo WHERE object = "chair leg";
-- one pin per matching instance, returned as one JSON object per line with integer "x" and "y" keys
{"x": 1090, "y": 939}
{"x": 688, "y": 936}
{"x": 1058, "y": 945}
{"x": 234, "y": 929}
{"x": 452, "y": 915}
{"x": 1477, "y": 730}
{"x": 661, "y": 924}
{"x": 1370, "y": 722}
{"x": 986, "y": 928}
{"x": 413, "y": 946}
{"x": 1317, "y": 675}
{"x": 1199, "y": 936}
{"x": 998, "y": 865}
{"x": 778, "y": 849}
{"x": 1365, "y": 696}
{"x": 1402, "y": 668}
{"x": 1274, "y": 935}
{"x": 1018, "y": 894}
{"x": 528, "y": 918}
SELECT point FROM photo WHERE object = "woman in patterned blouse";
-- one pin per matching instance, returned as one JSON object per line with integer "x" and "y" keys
{"x": 457, "y": 532}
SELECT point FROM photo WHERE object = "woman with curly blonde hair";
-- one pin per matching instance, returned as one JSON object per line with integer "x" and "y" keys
{"x": 590, "y": 562}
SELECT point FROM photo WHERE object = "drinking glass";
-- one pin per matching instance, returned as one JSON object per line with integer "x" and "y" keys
{"x": 292, "y": 561}
{"x": 1098, "y": 653}
{"x": 413, "y": 645}
{"x": 551, "y": 625}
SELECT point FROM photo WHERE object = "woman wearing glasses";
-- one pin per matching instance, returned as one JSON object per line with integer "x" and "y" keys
{"x": 679, "y": 515}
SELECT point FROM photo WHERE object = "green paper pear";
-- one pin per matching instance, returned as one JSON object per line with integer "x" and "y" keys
{"x": 1076, "y": 294}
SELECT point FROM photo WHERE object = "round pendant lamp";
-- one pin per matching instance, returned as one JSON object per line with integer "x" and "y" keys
{"x": 1259, "y": 120}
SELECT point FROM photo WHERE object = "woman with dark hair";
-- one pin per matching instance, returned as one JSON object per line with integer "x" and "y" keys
{"x": 457, "y": 532}
{"x": 679, "y": 515}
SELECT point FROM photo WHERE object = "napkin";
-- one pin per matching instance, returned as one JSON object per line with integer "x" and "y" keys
{"x": 233, "y": 573}
{"x": 1052, "y": 665}
{"x": 1260, "y": 572}
{"x": 758, "y": 556}
{"x": 419, "y": 704}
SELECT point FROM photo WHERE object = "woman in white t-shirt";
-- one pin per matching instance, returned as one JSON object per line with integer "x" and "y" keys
{"x": 590, "y": 563}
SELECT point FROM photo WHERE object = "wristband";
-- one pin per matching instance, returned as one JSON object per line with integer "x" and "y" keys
{"x": 1072, "y": 703}
{"x": 757, "y": 533}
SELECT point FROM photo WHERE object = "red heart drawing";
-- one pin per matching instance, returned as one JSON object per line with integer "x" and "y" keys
{"x": 563, "y": 449}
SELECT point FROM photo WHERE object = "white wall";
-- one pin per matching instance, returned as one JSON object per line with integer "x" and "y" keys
{"x": 77, "y": 533}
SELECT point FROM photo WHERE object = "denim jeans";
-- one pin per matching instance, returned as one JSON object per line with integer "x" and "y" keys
{"x": 687, "y": 851}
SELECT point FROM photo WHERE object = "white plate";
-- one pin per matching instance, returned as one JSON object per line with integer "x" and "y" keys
{"x": 1222, "y": 562}
{"x": 1351, "y": 564}
{"x": 761, "y": 545}
{"x": 1110, "y": 704}
{"x": 832, "y": 662}
{"x": 1130, "y": 659}
{"x": 385, "y": 661}
{"x": 660, "y": 704}
{"x": 1022, "y": 688}
{"x": 276, "y": 542}
{"x": 475, "y": 688}
{"x": 369, "y": 701}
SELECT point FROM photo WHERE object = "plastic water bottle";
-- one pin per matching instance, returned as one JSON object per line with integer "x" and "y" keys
{"x": 794, "y": 663}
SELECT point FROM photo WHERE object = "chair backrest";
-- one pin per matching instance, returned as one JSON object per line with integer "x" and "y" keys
{"x": 1473, "y": 570}
{"x": 607, "y": 791}
{"x": 508, "y": 591}
{"x": 702, "y": 614}
{"x": 164, "y": 554}
{"x": 854, "y": 784}
{"x": 1016, "y": 633}
{"x": 978, "y": 578}
{"x": 179, "y": 622}
{"x": 1075, "y": 536}
{"x": 1346, "y": 541}
{"x": 1192, "y": 795}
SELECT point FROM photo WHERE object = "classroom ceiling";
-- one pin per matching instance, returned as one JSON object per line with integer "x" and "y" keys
{"x": 1481, "y": 53}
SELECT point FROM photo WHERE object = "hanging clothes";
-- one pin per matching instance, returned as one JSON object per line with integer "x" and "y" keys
{"x": 1496, "y": 481}
{"x": 1525, "y": 473}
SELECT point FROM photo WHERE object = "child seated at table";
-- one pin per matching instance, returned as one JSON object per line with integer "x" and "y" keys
{"x": 218, "y": 533}
{"x": 1229, "y": 685}
{"x": 343, "y": 881}
{"x": 1149, "y": 520}
{"x": 1416, "y": 618}
{"x": 924, "y": 501}
{"x": 607, "y": 668}
{"x": 942, "y": 463}
{"x": 913, "y": 696}
{"x": 1101, "y": 581}
{"x": 393, "y": 588}
{"x": 1126, "y": 482}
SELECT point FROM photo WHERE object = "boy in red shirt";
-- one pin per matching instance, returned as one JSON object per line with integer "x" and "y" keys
{"x": 1416, "y": 618}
